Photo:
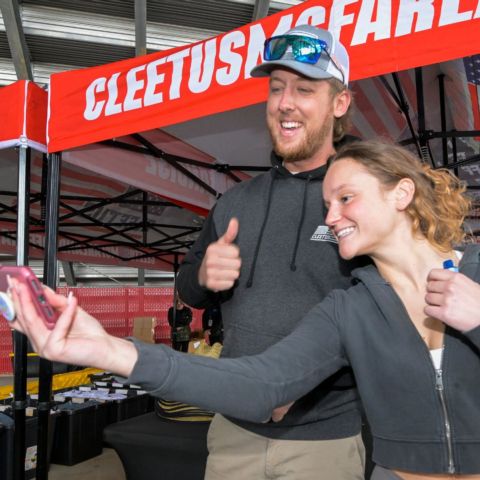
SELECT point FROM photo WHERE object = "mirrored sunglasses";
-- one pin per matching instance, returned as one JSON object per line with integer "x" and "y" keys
{"x": 304, "y": 49}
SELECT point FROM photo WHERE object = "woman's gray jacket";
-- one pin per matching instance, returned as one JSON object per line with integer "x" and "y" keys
{"x": 420, "y": 421}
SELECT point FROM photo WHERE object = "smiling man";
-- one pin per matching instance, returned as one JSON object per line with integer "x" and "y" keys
{"x": 266, "y": 253}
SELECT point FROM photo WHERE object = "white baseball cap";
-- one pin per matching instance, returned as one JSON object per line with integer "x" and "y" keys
{"x": 333, "y": 61}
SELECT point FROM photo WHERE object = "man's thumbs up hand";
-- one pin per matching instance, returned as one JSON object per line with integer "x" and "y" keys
{"x": 221, "y": 264}
{"x": 230, "y": 234}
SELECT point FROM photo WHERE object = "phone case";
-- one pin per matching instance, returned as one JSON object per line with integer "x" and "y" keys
{"x": 26, "y": 276}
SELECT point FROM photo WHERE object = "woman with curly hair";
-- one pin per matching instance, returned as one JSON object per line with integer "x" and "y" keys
{"x": 409, "y": 328}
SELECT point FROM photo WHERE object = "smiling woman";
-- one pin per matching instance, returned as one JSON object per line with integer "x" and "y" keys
{"x": 385, "y": 183}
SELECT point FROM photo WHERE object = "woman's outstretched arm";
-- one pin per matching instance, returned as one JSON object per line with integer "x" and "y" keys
{"x": 247, "y": 388}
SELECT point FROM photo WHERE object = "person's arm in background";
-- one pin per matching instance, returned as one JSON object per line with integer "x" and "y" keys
{"x": 247, "y": 388}
{"x": 170, "y": 316}
{"x": 188, "y": 315}
{"x": 211, "y": 265}
{"x": 205, "y": 320}
{"x": 206, "y": 325}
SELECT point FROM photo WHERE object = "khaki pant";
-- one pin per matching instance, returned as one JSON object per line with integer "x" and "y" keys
{"x": 237, "y": 454}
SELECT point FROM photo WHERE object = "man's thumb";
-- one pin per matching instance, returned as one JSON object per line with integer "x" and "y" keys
{"x": 231, "y": 232}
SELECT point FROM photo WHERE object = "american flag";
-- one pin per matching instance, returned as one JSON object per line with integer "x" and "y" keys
{"x": 472, "y": 71}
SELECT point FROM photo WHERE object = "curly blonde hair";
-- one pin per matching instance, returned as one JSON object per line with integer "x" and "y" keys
{"x": 439, "y": 205}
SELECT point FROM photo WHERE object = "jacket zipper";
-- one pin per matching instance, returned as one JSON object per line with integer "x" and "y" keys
{"x": 448, "y": 433}
{"x": 439, "y": 388}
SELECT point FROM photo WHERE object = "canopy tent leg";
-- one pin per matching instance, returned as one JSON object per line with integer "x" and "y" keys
{"x": 50, "y": 279}
{"x": 20, "y": 342}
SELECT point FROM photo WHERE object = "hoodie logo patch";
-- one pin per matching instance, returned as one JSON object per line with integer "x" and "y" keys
{"x": 323, "y": 234}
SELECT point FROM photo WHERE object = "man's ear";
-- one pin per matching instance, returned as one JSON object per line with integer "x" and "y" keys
{"x": 404, "y": 192}
{"x": 341, "y": 103}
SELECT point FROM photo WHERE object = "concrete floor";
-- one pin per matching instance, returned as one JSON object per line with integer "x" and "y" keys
{"x": 106, "y": 466}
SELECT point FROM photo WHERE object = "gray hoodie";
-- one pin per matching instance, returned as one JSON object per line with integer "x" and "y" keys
{"x": 290, "y": 262}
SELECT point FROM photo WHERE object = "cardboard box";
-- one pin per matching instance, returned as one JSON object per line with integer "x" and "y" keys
{"x": 144, "y": 328}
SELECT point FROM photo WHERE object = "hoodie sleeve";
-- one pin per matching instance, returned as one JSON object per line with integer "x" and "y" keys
{"x": 187, "y": 284}
{"x": 247, "y": 388}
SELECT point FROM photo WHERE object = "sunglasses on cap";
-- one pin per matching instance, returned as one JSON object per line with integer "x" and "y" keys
{"x": 304, "y": 49}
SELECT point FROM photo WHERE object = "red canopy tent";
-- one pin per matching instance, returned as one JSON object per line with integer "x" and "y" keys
{"x": 202, "y": 93}
{"x": 23, "y": 106}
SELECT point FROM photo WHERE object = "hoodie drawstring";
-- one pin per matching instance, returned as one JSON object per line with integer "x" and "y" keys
{"x": 259, "y": 241}
{"x": 293, "y": 266}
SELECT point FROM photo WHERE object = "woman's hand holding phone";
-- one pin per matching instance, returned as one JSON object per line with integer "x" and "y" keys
{"x": 77, "y": 337}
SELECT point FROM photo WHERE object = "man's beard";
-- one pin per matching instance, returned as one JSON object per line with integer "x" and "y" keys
{"x": 314, "y": 140}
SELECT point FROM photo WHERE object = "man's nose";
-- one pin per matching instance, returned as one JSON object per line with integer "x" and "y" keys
{"x": 287, "y": 102}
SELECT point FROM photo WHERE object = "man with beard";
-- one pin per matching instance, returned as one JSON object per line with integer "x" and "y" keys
{"x": 266, "y": 253}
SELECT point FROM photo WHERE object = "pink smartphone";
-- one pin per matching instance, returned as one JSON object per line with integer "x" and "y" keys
{"x": 26, "y": 276}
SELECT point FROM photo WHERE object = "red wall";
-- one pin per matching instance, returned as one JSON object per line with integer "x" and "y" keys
{"x": 115, "y": 308}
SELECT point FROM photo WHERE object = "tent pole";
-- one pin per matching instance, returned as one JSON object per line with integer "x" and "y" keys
{"x": 443, "y": 117}
{"x": 422, "y": 134}
{"x": 145, "y": 218}
{"x": 20, "y": 343}
{"x": 141, "y": 271}
{"x": 260, "y": 10}
{"x": 403, "y": 104}
{"x": 140, "y": 27}
{"x": 455, "y": 155}
{"x": 175, "y": 293}
{"x": 50, "y": 279}
{"x": 170, "y": 159}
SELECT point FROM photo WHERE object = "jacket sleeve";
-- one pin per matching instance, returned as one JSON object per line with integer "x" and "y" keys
{"x": 187, "y": 284}
{"x": 247, "y": 388}
{"x": 474, "y": 336}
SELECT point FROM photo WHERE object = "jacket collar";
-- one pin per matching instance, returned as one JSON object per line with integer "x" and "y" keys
{"x": 281, "y": 171}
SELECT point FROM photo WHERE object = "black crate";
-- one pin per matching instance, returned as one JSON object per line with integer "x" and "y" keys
{"x": 6, "y": 447}
{"x": 135, "y": 404}
{"x": 79, "y": 432}
{"x": 7, "y": 429}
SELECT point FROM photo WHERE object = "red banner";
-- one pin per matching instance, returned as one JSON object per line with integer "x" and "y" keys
{"x": 115, "y": 308}
{"x": 212, "y": 76}
{"x": 23, "y": 108}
